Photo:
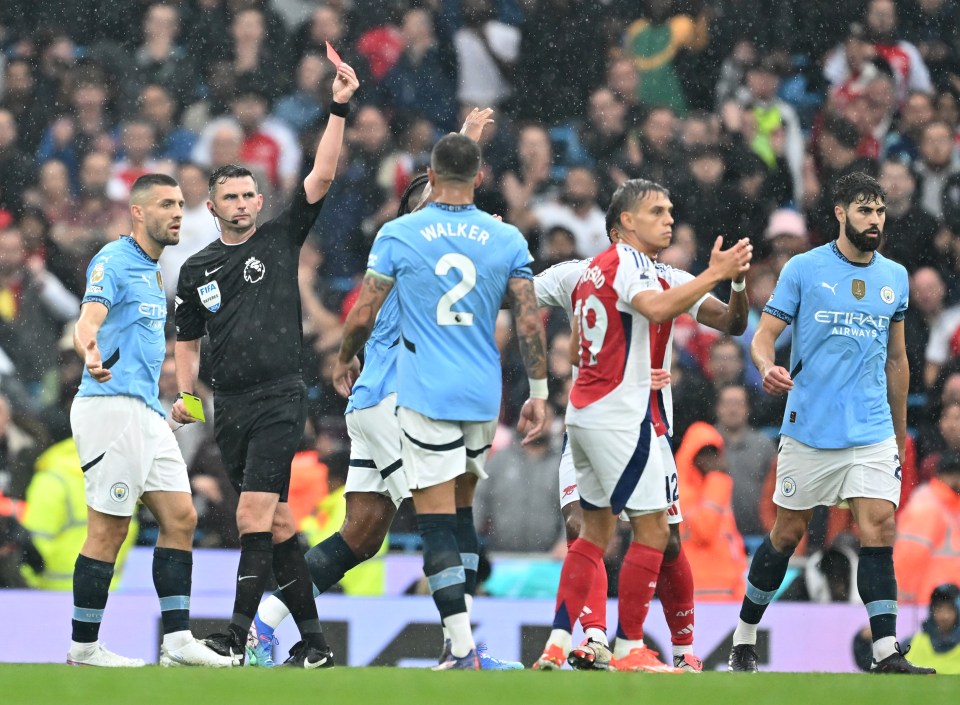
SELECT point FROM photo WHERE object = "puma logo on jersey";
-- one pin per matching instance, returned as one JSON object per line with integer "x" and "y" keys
{"x": 833, "y": 288}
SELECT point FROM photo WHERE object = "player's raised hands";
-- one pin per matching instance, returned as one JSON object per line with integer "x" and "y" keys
{"x": 533, "y": 416}
{"x": 732, "y": 262}
{"x": 94, "y": 364}
{"x": 475, "y": 122}
{"x": 344, "y": 375}
{"x": 345, "y": 84}
{"x": 777, "y": 381}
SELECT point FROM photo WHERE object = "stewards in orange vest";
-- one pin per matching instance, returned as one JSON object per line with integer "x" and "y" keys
{"x": 711, "y": 540}
{"x": 927, "y": 551}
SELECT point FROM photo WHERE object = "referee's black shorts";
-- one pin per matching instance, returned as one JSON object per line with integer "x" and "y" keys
{"x": 259, "y": 431}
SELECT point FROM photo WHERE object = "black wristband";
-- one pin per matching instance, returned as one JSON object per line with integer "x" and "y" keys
{"x": 180, "y": 395}
{"x": 339, "y": 109}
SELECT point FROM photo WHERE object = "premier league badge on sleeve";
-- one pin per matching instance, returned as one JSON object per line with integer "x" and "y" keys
{"x": 210, "y": 296}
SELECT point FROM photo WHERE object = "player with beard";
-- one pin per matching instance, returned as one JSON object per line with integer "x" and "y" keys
{"x": 845, "y": 423}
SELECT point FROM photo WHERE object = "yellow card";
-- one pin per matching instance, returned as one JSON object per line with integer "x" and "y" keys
{"x": 194, "y": 406}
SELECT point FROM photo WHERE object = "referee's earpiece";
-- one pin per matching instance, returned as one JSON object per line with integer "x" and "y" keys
{"x": 233, "y": 221}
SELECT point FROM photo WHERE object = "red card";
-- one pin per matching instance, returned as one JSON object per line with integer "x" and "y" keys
{"x": 333, "y": 56}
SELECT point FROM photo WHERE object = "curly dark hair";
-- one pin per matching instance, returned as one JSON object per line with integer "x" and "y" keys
{"x": 857, "y": 187}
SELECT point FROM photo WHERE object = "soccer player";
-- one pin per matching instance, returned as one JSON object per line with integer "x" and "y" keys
{"x": 452, "y": 265}
{"x": 127, "y": 450}
{"x": 242, "y": 290}
{"x": 845, "y": 422}
{"x": 554, "y": 288}
{"x": 376, "y": 484}
{"x": 620, "y": 464}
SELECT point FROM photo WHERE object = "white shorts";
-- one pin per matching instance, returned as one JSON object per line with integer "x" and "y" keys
{"x": 810, "y": 477}
{"x": 375, "y": 464}
{"x": 620, "y": 469}
{"x": 568, "y": 478}
{"x": 435, "y": 451}
{"x": 126, "y": 448}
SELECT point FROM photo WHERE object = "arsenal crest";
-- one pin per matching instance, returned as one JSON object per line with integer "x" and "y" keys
{"x": 858, "y": 288}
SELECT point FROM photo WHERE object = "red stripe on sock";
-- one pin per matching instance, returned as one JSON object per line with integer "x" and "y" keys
{"x": 675, "y": 589}
{"x": 638, "y": 580}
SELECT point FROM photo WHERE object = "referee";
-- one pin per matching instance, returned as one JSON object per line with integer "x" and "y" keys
{"x": 242, "y": 291}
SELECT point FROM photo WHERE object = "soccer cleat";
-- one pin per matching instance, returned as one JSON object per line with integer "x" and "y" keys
{"x": 470, "y": 662}
{"x": 897, "y": 663}
{"x": 642, "y": 659}
{"x": 226, "y": 644}
{"x": 195, "y": 653}
{"x": 552, "y": 659}
{"x": 743, "y": 659}
{"x": 489, "y": 663}
{"x": 98, "y": 655}
{"x": 591, "y": 655}
{"x": 688, "y": 663}
{"x": 446, "y": 653}
{"x": 259, "y": 648}
{"x": 304, "y": 655}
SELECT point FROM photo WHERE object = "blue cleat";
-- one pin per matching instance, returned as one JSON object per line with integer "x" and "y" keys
{"x": 489, "y": 663}
{"x": 259, "y": 646}
{"x": 470, "y": 662}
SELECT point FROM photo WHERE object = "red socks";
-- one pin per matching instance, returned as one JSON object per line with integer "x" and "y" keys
{"x": 581, "y": 569}
{"x": 675, "y": 589}
{"x": 638, "y": 580}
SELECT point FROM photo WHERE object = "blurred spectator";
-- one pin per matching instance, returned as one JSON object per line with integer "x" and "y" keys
{"x": 924, "y": 321}
{"x": 709, "y": 532}
{"x": 937, "y": 644}
{"x": 705, "y": 201}
{"x": 160, "y": 59}
{"x": 487, "y": 53}
{"x": 927, "y": 24}
{"x": 421, "y": 82}
{"x": 159, "y": 109}
{"x": 56, "y": 517}
{"x": 785, "y": 236}
{"x": 137, "y": 144}
{"x": 326, "y": 24}
{"x": 659, "y": 156}
{"x": 197, "y": 229}
{"x": 533, "y": 180}
{"x": 34, "y": 305}
{"x": 910, "y": 232}
{"x": 303, "y": 108}
{"x": 517, "y": 507}
{"x": 255, "y": 63}
{"x": 16, "y": 547}
{"x": 946, "y": 442}
{"x": 578, "y": 211}
{"x": 220, "y": 87}
{"x": 830, "y": 574}
{"x": 18, "y": 453}
{"x": 16, "y": 167}
{"x": 904, "y": 142}
{"x": 927, "y": 550}
{"x": 30, "y": 111}
{"x": 653, "y": 42}
{"x": 939, "y": 160}
{"x": 749, "y": 453}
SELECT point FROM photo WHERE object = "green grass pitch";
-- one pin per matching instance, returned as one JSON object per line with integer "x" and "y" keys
{"x": 64, "y": 685}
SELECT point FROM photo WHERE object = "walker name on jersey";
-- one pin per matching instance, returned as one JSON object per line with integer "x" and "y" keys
{"x": 853, "y": 323}
{"x": 471, "y": 232}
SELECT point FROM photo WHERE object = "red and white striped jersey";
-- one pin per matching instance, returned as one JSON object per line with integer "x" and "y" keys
{"x": 613, "y": 387}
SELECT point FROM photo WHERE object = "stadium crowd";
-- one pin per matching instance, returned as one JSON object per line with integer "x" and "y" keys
{"x": 748, "y": 110}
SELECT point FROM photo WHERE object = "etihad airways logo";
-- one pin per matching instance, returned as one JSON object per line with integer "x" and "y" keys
{"x": 853, "y": 323}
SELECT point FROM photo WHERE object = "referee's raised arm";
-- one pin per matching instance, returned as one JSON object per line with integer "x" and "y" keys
{"x": 317, "y": 182}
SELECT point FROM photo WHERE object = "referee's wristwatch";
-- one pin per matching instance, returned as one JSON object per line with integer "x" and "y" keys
{"x": 180, "y": 395}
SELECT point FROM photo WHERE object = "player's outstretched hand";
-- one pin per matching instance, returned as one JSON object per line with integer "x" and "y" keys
{"x": 179, "y": 413}
{"x": 475, "y": 122}
{"x": 344, "y": 375}
{"x": 94, "y": 364}
{"x": 777, "y": 381}
{"x": 345, "y": 84}
{"x": 730, "y": 263}
{"x": 533, "y": 415}
{"x": 659, "y": 379}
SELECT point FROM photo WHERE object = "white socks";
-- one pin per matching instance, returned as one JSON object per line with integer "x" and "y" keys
{"x": 745, "y": 633}
{"x": 461, "y": 635}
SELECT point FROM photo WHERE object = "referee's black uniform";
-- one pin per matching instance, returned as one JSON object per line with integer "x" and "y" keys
{"x": 247, "y": 298}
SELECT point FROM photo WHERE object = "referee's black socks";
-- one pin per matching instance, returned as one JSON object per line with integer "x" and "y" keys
{"x": 253, "y": 572}
{"x": 290, "y": 569}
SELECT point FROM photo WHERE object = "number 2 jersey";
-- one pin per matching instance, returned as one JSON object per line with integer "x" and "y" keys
{"x": 450, "y": 266}
{"x": 618, "y": 346}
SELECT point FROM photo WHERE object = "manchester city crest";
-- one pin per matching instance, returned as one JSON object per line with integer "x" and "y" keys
{"x": 119, "y": 491}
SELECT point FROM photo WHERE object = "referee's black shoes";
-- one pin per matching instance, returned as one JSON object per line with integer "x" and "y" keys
{"x": 743, "y": 659}
{"x": 304, "y": 655}
{"x": 226, "y": 644}
{"x": 897, "y": 663}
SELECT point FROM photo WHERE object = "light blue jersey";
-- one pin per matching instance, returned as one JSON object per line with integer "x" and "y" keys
{"x": 450, "y": 265}
{"x": 379, "y": 375}
{"x": 841, "y": 314}
{"x": 132, "y": 345}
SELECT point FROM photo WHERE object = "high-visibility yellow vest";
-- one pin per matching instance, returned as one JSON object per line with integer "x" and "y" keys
{"x": 922, "y": 654}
